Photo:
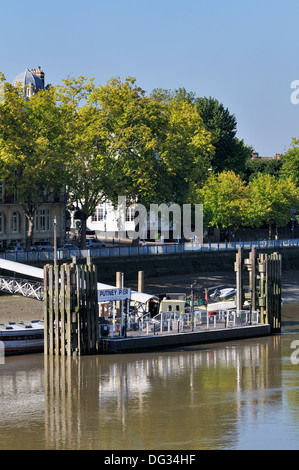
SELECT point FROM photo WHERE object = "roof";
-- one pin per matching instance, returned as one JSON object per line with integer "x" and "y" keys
{"x": 135, "y": 296}
{"x": 28, "y": 78}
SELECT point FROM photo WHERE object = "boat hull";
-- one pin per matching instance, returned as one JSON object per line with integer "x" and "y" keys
{"x": 21, "y": 339}
{"x": 23, "y": 347}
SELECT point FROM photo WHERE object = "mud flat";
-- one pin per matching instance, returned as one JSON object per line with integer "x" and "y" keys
{"x": 17, "y": 308}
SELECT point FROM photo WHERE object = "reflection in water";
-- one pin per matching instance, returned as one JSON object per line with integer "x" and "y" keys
{"x": 189, "y": 399}
{"x": 206, "y": 397}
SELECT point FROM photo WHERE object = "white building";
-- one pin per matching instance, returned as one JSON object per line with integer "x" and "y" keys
{"x": 108, "y": 222}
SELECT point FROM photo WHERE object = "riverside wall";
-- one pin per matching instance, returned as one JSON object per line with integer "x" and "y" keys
{"x": 182, "y": 263}
{"x": 177, "y": 263}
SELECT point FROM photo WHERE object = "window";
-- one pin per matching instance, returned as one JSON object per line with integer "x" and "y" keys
{"x": 15, "y": 222}
{"x": 98, "y": 214}
{"x": 42, "y": 220}
{"x": 1, "y": 222}
{"x": 1, "y": 192}
{"x": 130, "y": 214}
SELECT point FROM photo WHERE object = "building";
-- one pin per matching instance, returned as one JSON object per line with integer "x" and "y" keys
{"x": 106, "y": 222}
{"x": 256, "y": 155}
{"x": 13, "y": 221}
{"x": 31, "y": 80}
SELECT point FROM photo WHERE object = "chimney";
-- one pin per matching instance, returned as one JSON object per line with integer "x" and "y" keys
{"x": 40, "y": 74}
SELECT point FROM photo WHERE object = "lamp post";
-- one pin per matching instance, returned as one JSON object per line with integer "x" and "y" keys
{"x": 293, "y": 212}
{"x": 55, "y": 241}
{"x": 192, "y": 304}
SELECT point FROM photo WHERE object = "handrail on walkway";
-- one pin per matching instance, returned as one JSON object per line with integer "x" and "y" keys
{"x": 173, "y": 322}
{"x": 150, "y": 249}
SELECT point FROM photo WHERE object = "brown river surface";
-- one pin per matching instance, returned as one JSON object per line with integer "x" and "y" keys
{"x": 232, "y": 395}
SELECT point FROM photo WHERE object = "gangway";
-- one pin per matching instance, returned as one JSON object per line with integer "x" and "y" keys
{"x": 38, "y": 273}
{"x": 24, "y": 287}
{"x": 20, "y": 286}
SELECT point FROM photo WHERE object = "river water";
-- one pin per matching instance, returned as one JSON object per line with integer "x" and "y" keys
{"x": 232, "y": 395}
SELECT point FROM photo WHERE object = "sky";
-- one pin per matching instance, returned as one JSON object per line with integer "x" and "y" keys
{"x": 244, "y": 53}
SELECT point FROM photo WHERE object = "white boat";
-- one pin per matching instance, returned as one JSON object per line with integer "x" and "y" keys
{"x": 214, "y": 307}
{"x": 223, "y": 294}
{"x": 22, "y": 338}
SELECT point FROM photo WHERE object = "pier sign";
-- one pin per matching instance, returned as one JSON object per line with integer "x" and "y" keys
{"x": 108, "y": 295}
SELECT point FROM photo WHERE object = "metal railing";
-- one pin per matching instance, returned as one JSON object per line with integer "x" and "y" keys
{"x": 24, "y": 287}
{"x": 157, "y": 249}
{"x": 174, "y": 322}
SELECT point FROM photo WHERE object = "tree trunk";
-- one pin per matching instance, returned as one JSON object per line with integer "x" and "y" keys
{"x": 83, "y": 231}
{"x": 29, "y": 235}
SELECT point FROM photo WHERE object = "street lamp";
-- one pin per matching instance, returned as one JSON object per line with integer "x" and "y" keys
{"x": 192, "y": 304}
{"x": 293, "y": 212}
{"x": 55, "y": 241}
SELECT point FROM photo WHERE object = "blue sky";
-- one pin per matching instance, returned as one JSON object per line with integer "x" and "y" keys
{"x": 242, "y": 52}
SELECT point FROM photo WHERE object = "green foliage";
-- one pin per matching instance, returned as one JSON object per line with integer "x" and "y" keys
{"x": 225, "y": 198}
{"x": 32, "y": 147}
{"x": 107, "y": 141}
{"x": 290, "y": 162}
{"x": 256, "y": 166}
{"x": 229, "y": 202}
{"x": 186, "y": 151}
{"x": 271, "y": 201}
{"x": 231, "y": 153}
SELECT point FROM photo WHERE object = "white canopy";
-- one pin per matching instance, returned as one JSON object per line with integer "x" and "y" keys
{"x": 135, "y": 296}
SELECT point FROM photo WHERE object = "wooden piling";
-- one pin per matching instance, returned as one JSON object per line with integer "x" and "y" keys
{"x": 119, "y": 284}
{"x": 262, "y": 269}
{"x": 140, "y": 281}
{"x": 264, "y": 286}
{"x": 70, "y": 310}
{"x": 239, "y": 283}
{"x": 274, "y": 291}
{"x": 252, "y": 278}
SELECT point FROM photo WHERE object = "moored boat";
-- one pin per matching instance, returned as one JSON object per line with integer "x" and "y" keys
{"x": 22, "y": 338}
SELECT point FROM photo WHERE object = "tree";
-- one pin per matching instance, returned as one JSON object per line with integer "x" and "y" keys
{"x": 126, "y": 144}
{"x": 255, "y": 166}
{"x": 185, "y": 146}
{"x": 290, "y": 162}
{"x": 113, "y": 133}
{"x": 225, "y": 198}
{"x": 85, "y": 171}
{"x": 160, "y": 94}
{"x": 230, "y": 152}
{"x": 271, "y": 201}
{"x": 31, "y": 148}
{"x": 186, "y": 151}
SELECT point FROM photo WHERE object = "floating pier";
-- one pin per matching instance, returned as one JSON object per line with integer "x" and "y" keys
{"x": 175, "y": 340}
{"x": 73, "y": 325}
